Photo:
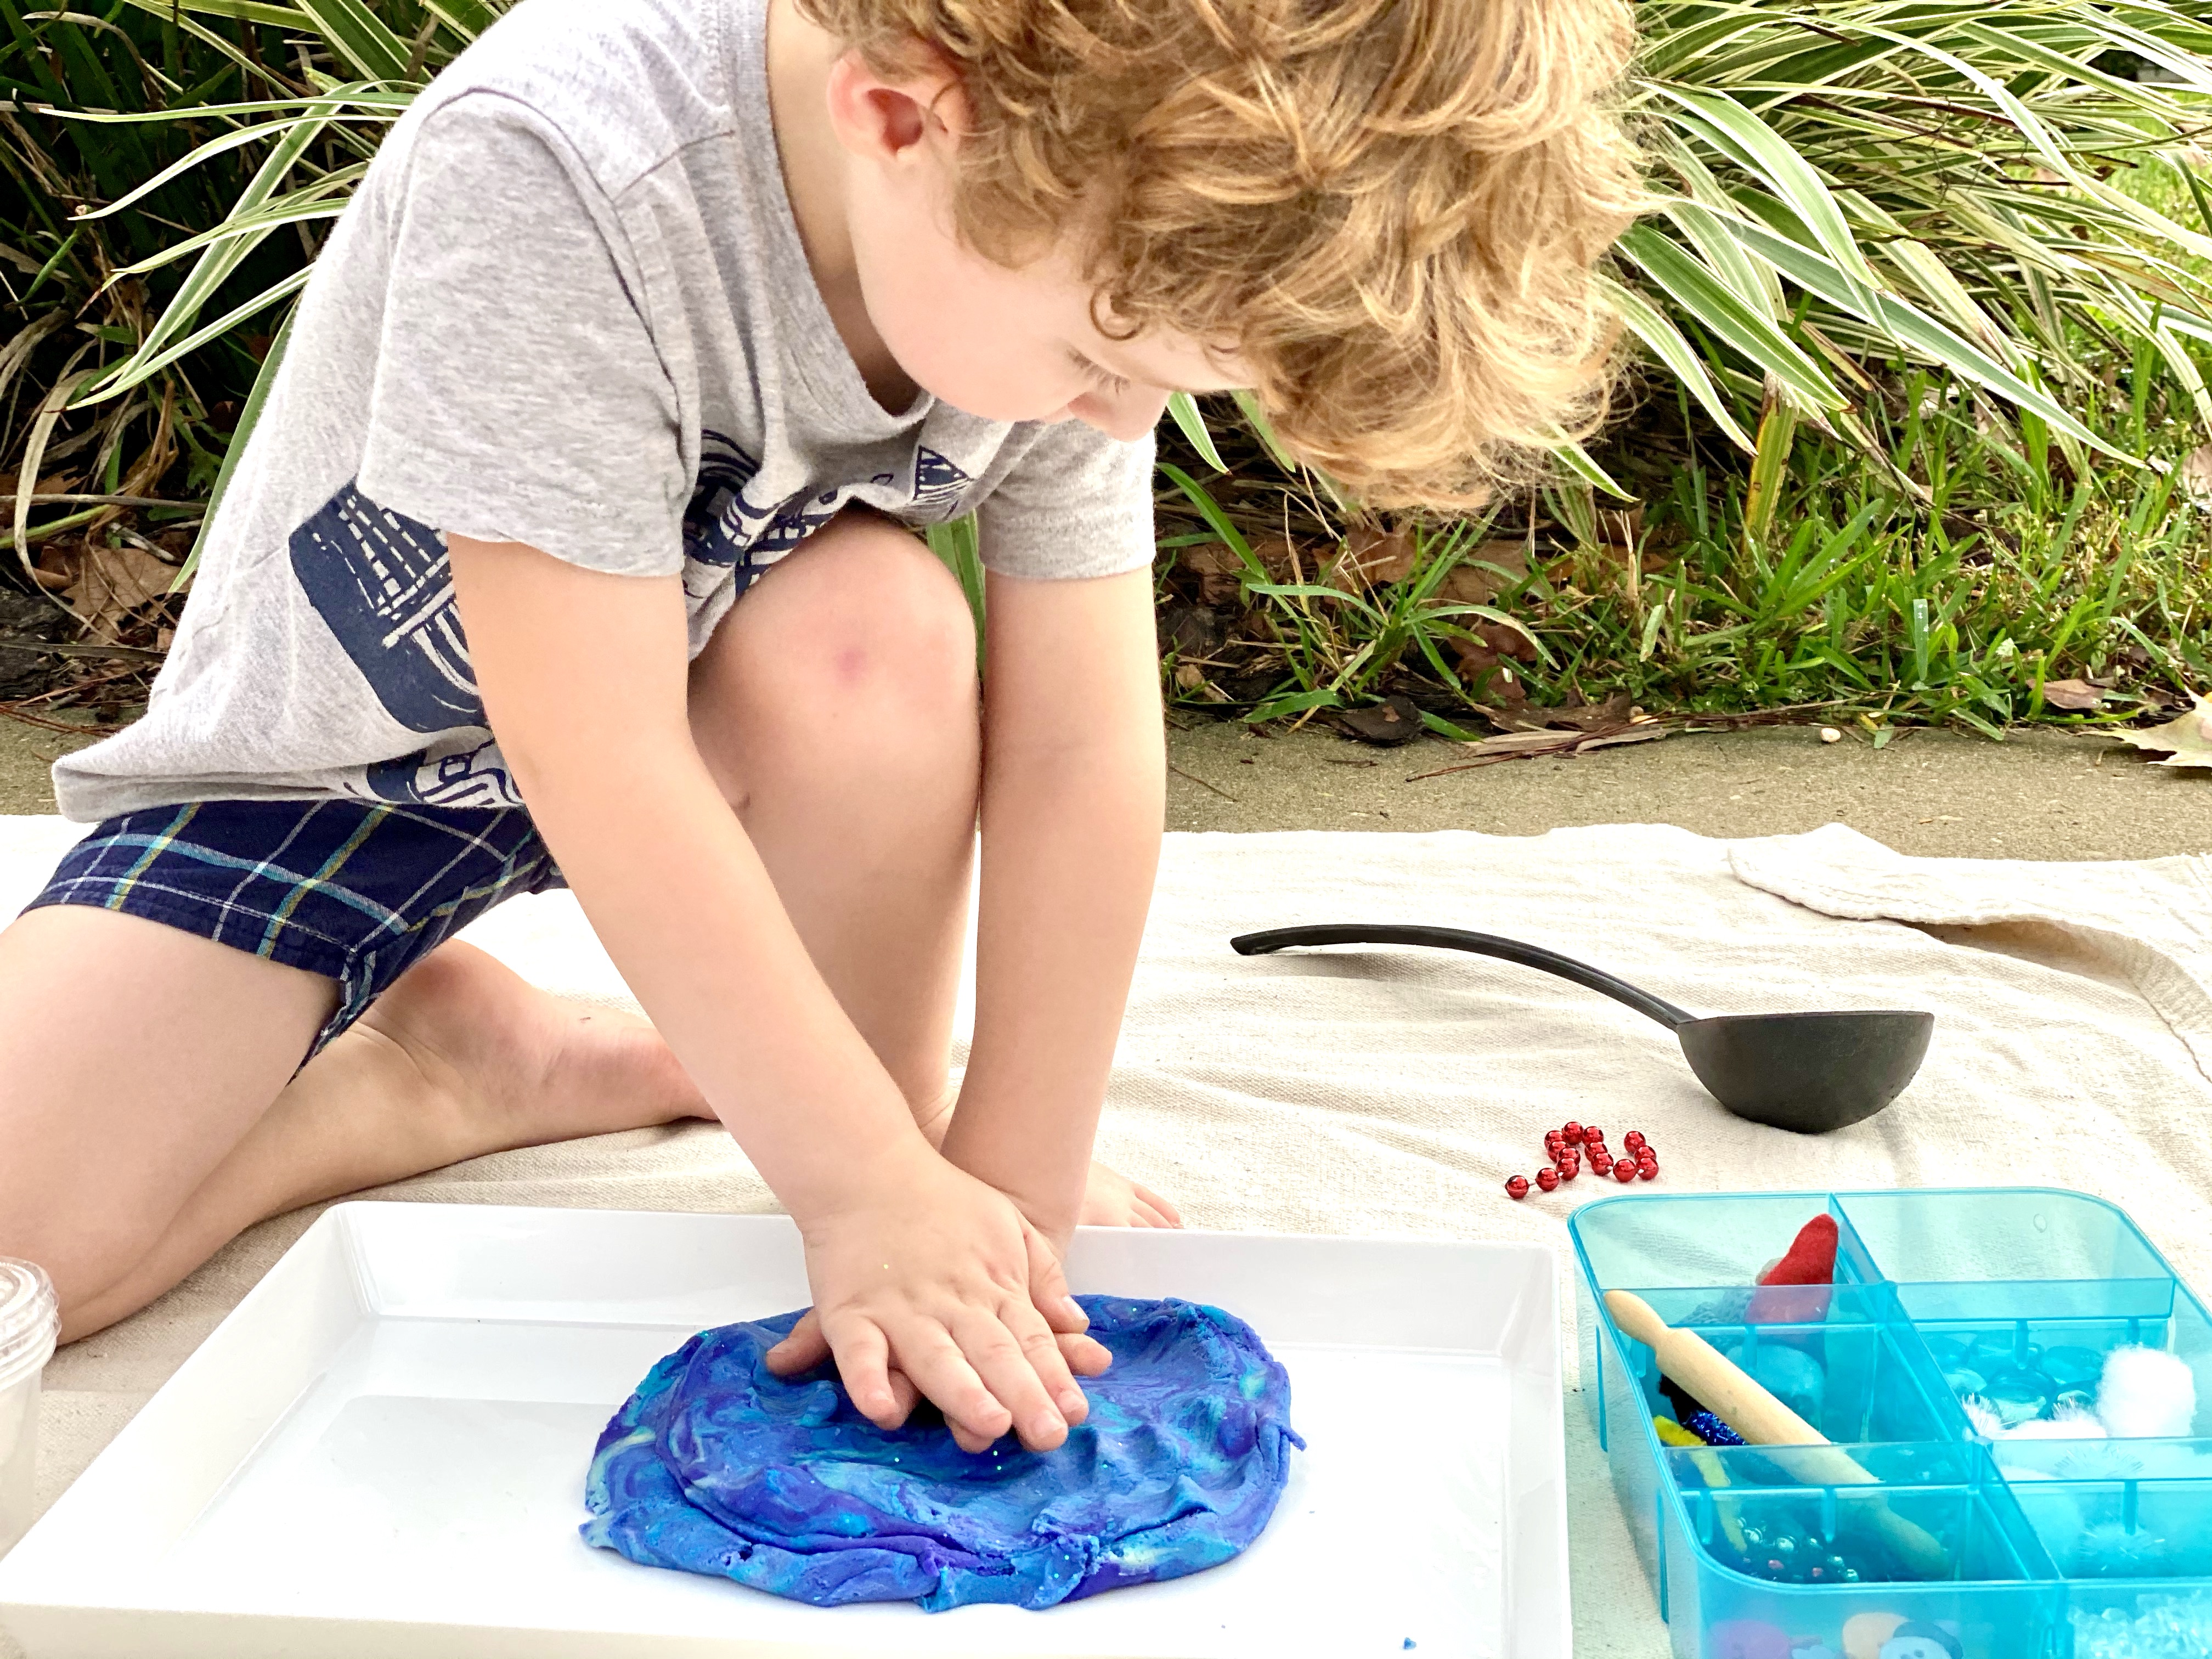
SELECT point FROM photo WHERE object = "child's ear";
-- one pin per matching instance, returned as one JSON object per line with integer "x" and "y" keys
{"x": 898, "y": 117}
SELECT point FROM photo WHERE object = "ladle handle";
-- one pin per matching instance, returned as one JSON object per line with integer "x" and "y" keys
{"x": 1482, "y": 945}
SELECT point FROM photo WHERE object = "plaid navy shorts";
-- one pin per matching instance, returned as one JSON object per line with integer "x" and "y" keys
{"x": 359, "y": 891}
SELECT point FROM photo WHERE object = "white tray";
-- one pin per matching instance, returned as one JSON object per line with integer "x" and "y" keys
{"x": 381, "y": 1454}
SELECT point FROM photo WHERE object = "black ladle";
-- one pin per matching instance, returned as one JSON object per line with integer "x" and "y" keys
{"x": 1810, "y": 1072}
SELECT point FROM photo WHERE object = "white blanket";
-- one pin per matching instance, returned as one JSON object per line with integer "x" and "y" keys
{"x": 1393, "y": 1091}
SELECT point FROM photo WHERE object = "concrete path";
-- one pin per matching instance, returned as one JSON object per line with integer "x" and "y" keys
{"x": 26, "y": 753}
{"x": 2044, "y": 795}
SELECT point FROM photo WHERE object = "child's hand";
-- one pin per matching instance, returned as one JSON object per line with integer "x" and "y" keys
{"x": 931, "y": 1282}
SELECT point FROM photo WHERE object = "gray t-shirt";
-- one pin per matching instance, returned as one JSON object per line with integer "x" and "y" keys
{"x": 568, "y": 306}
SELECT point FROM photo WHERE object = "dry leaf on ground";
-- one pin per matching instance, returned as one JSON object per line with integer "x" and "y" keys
{"x": 2077, "y": 696}
{"x": 112, "y": 582}
{"x": 1374, "y": 557}
{"x": 54, "y": 483}
{"x": 2186, "y": 742}
{"x": 1393, "y": 721}
{"x": 2197, "y": 476}
{"x": 1526, "y": 746}
{"x": 1474, "y": 581}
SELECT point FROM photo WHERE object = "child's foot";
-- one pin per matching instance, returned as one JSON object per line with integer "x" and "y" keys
{"x": 1112, "y": 1199}
{"x": 486, "y": 1061}
{"x": 477, "y": 1059}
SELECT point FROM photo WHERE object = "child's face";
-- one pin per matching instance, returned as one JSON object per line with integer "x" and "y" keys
{"x": 1006, "y": 344}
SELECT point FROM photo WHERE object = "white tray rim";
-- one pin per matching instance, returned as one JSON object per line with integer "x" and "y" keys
{"x": 45, "y": 1594}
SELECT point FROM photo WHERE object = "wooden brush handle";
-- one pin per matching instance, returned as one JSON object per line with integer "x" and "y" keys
{"x": 1728, "y": 1391}
{"x": 1739, "y": 1399}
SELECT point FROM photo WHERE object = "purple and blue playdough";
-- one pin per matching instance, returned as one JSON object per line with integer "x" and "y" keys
{"x": 715, "y": 1466}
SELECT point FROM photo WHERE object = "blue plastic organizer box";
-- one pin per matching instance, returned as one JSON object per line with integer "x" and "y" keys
{"x": 2045, "y": 1549}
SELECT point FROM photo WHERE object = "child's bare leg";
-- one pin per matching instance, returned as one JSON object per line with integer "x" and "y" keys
{"x": 133, "y": 1057}
{"x": 461, "y": 1057}
{"x": 837, "y": 708}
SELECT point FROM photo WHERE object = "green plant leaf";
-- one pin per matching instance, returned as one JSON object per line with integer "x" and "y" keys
{"x": 290, "y": 18}
{"x": 1754, "y": 145}
{"x": 467, "y": 18}
{"x": 1579, "y": 461}
{"x": 143, "y": 365}
{"x": 1719, "y": 308}
{"x": 239, "y": 138}
{"x": 1915, "y": 330}
{"x": 1210, "y": 510}
{"x": 361, "y": 37}
{"x": 1184, "y": 408}
{"x": 1651, "y": 325}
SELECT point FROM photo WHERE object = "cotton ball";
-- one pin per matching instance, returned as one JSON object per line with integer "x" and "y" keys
{"x": 2146, "y": 1392}
{"x": 1982, "y": 1418}
{"x": 2067, "y": 1423}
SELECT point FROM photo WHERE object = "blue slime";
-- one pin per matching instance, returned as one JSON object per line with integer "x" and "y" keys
{"x": 715, "y": 1466}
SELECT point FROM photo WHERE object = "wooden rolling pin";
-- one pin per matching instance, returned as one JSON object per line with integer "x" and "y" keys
{"x": 1736, "y": 1398}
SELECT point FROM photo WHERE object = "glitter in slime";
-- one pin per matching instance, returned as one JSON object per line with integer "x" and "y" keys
{"x": 715, "y": 1466}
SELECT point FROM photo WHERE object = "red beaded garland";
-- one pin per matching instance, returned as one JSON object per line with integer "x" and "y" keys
{"x": 1555, "y": 1144}
{"x": 1573, "y": 1132}
{"x": 1633, "y": 1140}
{"x": 1624, "y": 1171}
{"x": 1548, "y": 1180}
{"x": 1601, "y": 1162}
{"x": 1569, "y": 1168}
{"x": 1648, "y": 1171}
{"x": 1594, "y": 1136}
{"x": 1518, "y": 1186}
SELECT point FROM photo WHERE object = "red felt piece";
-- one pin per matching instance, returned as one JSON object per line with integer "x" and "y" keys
{"x": 1795, "y": 1289}
{"x": 1811, "y": 1259}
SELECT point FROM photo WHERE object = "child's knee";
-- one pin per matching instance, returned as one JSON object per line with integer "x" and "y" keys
{"x": 863, "y": 630}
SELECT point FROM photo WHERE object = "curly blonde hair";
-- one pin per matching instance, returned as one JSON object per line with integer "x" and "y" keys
{"x": 1391, "y": 209}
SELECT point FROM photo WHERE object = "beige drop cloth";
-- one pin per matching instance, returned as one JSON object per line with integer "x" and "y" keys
{"x": 1393, "y": 1091}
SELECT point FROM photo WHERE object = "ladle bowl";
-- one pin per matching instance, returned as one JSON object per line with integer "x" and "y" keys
{"x": 1810, "y": 1072}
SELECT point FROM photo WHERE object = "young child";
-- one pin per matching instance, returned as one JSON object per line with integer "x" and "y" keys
{"x": 581, "y": 484}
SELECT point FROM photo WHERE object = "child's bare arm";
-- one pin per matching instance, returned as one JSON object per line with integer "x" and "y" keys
{"x": 916, "y": 1267}
{"x": 1075, "y": 768}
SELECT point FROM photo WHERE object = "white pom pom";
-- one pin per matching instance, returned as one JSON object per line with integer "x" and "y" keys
{"x": 2146, "y": 1392}
{"x": 2068, "y": 1425}
{"x": 1982, "y": 1418}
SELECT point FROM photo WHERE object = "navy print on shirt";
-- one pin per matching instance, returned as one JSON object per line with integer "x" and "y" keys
{"x": 714, "y": 530}
{"x": 795, "y": 521}
{"x": 725, "y": 529}
{"x": 938, "y": 483}
{"x": 468, "y": 777}
{"x": 382, "y": 583}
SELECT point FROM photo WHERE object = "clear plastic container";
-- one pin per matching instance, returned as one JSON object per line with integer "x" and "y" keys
{"x": 29, "y": 1322}
{"x": 1954, "y": 1547}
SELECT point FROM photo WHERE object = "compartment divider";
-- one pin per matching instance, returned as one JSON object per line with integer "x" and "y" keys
{"x": 2063, "y": 1270}
{"x": 1921, "y": 1364}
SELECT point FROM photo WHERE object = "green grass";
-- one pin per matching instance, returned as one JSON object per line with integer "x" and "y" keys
{"x": 1945, "y": 587}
